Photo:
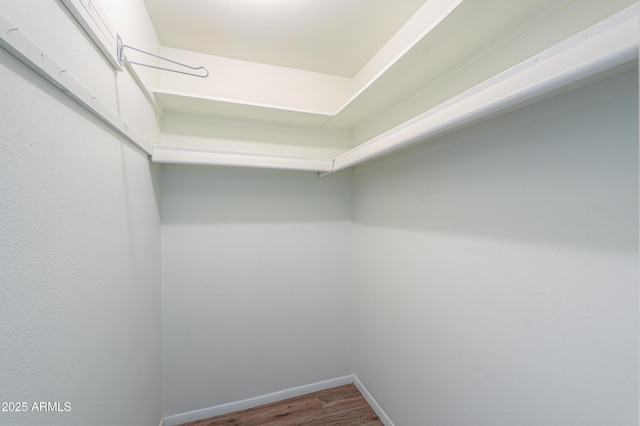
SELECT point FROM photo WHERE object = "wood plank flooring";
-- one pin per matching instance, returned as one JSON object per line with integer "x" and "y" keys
{"x": 343, "y": 406}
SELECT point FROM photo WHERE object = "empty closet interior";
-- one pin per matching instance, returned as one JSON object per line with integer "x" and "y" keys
{"x": 206, "y": 206}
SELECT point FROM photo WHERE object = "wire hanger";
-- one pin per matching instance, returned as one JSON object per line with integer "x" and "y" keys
{"x": 122, "y": 59}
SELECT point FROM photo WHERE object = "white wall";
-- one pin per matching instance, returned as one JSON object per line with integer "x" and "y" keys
{"x": 496, "y": 277}
{"x": 256, "y": 283}
{"x": 80, "y": 239}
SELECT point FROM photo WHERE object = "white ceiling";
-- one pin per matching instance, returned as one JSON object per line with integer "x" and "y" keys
{"x": 328, "y": 36}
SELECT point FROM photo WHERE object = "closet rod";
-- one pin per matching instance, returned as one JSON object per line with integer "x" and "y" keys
{"x": 122, "y": 60}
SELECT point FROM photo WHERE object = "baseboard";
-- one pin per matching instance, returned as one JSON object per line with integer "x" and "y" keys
{"x": 219, "y": 410}
{"x": 372, "y": 402}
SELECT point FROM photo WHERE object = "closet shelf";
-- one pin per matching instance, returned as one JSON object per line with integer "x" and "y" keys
{"x": 191, "y": 103}
{"x": 176, "y": 155}
{"x": 605, "y": 49}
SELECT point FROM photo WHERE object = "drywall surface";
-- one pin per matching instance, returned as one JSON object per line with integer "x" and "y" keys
{"x": 79, "y": 247}
{"x": 496, "y": 277}
{"x": 256, "y": 283}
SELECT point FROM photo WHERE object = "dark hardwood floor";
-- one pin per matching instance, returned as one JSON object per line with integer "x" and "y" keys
{"x": 343, "y": 406}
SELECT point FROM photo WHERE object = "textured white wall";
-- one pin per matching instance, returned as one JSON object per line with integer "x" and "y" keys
{"x": 496, "y": 277}
{"x": 256, "y": 283}
{"x": 80, "y": 240}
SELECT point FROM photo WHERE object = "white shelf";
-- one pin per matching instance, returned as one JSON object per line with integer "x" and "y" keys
{"x": 212, "y": 106}
{"x": 172, "y": 155}
{"x": 594, "y": 52}
{"x": 606, "y": 46}
{"x": 17, "y": 44}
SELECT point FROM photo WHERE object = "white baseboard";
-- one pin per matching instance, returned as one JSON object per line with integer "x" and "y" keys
{"x": 245, "y": 404}
{"x": 372, "y": 402}
{"x": 219, "y": 410}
